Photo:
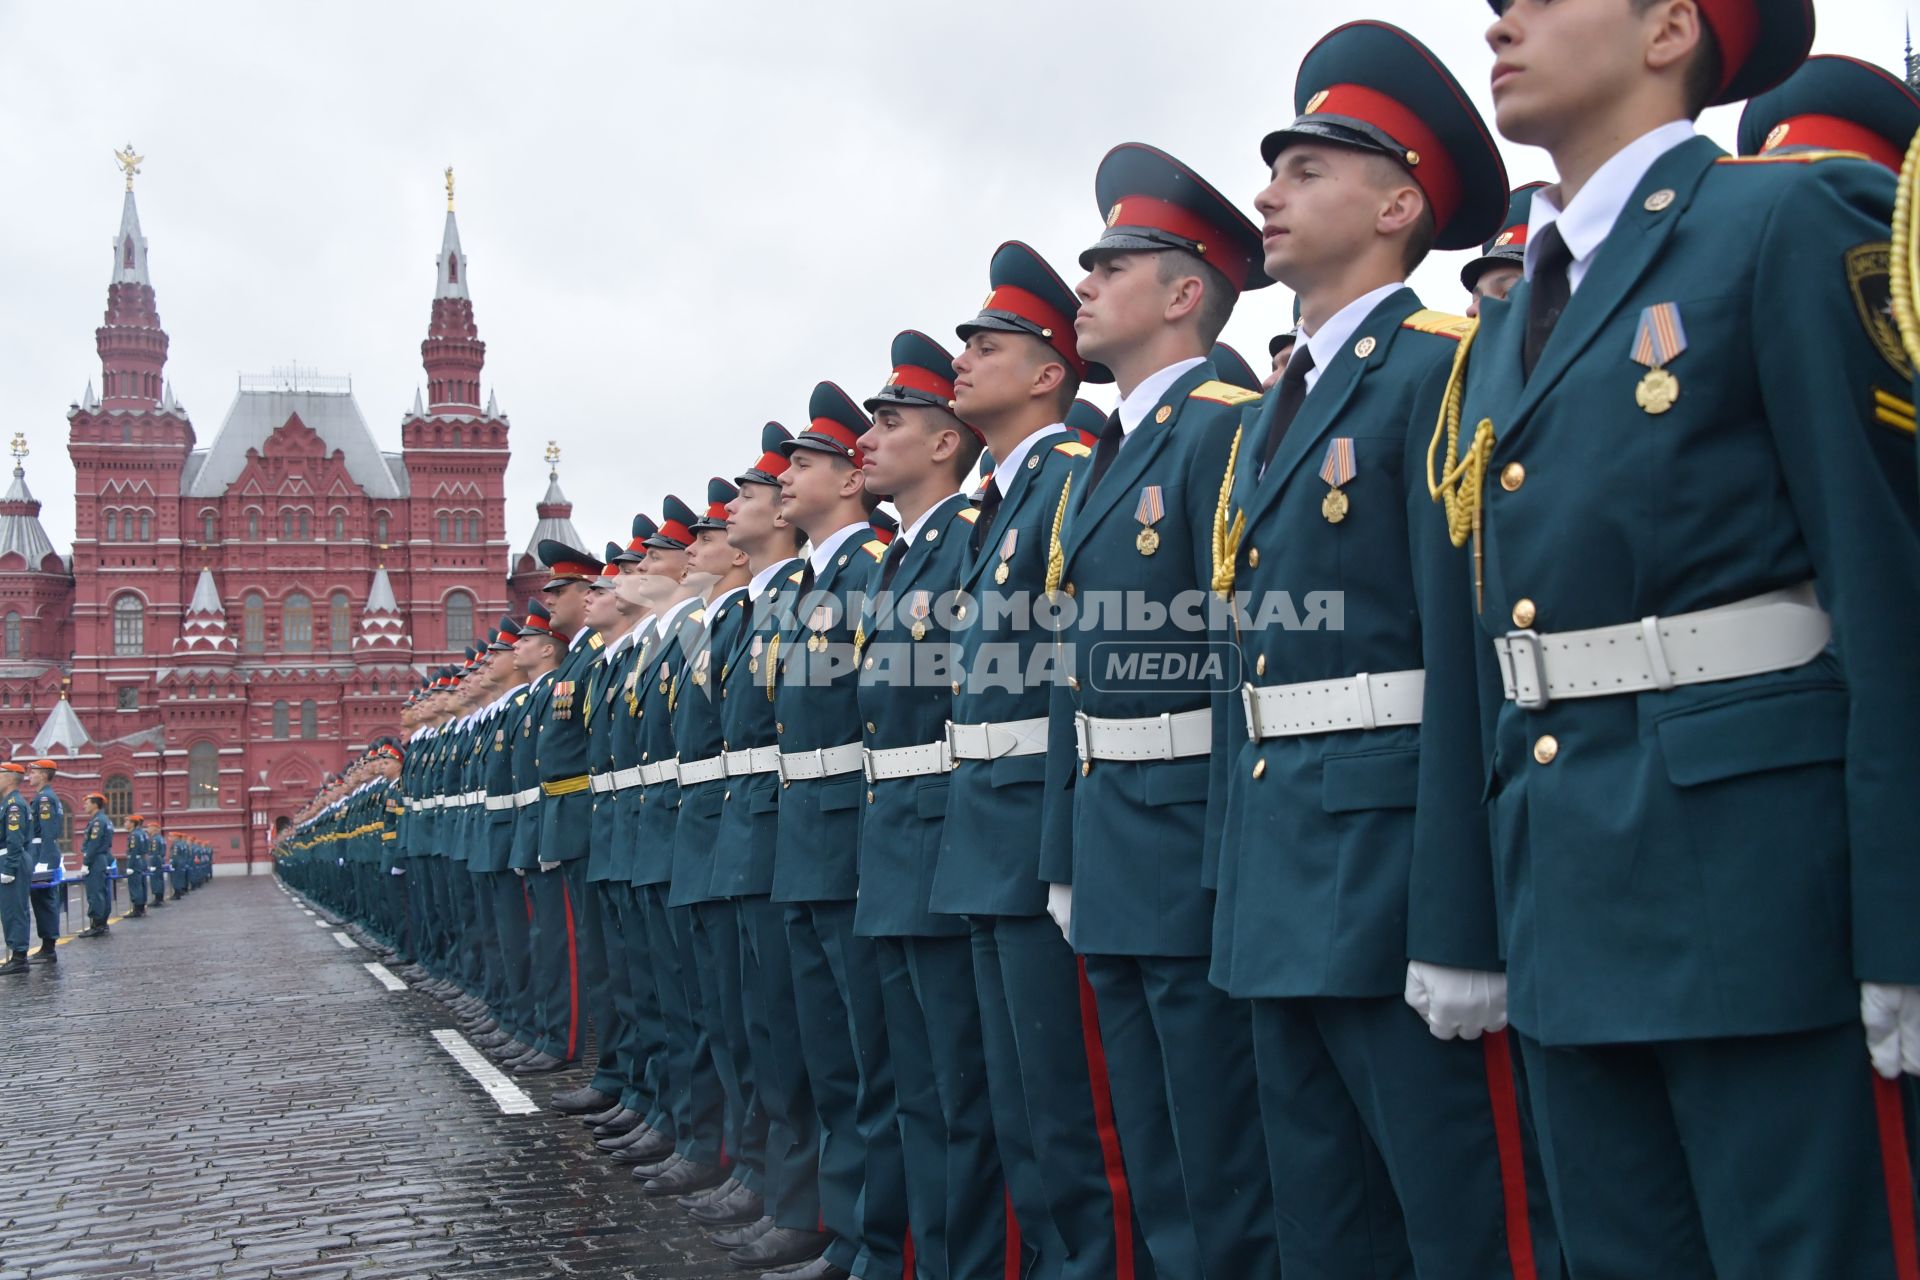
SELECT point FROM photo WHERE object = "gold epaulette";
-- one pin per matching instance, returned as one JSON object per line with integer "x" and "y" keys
{"x": 1072, "y": 448}
{"x": 1793, "y": 157}
{"x": 596, "y": 641}
{"x": 1441, "y": 324}
{"x": 1222, "y": 393}
{"x": 970, "y": 514}
{"x": 875, "y": 548}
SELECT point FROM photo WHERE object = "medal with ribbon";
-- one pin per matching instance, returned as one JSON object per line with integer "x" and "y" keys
{"x": 1151, "y": 510}
{"x": 922, "y": 606}
{"x": 1336, "y": 469}
{"x": 1659, "y": 341}
{"x": 1007, "y": 545}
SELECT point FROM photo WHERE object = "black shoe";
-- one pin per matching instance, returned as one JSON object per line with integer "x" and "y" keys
{"x": 737, "y": 1208}
{"x": 485, "y": 1027}
{"x": 540, "y": 1064}
{"x": 578, "y": 1102}
{"x": 99, "y": 930}
{"x": 16, "y": 963}
{"x": 46, "y": 953}
{"x": 624, "y": 1121}
{"x": 740, "y": 1237}
{"x": 595, "y": 1118}
{"x": 648, "y": 1172}
{"x": 640, "y": 1135}
{"x": 688, "y": 1175}
{"x": 717, "y": 1191}
{"x": 818, "y": 1269}
{"x": 509, "y": 1050}
{"x": 652, "y": 1149}
{"x": 161, "y": 903}
{"x": 138, "y": 912}
{"x": 781, "y": 1247}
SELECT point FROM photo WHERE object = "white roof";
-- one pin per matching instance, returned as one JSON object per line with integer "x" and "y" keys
{"x": 62, "y": 730}
{"x": 257, "y": 412}
{"x": 20, "y": 529}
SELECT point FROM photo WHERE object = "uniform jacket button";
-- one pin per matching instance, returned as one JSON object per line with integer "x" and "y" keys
{"x": 1523, "y": 613}
{"x": 1512, "y": 476}
{"x": 1545, "y": 748}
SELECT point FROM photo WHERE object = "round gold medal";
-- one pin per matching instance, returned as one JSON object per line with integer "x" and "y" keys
{"x": 1147, "y": 541}
{"x": 1657, "y": 391}
{"x": 1334, "y": 506}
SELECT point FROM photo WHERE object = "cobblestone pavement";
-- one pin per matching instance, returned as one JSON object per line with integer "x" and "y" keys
{"x": 223, "y": 1090}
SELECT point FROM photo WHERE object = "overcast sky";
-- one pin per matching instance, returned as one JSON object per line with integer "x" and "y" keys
{"x": 680, "y": 216}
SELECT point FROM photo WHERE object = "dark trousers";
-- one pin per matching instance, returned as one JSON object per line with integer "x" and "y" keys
{"x": 13, "y": 903}
{"x": 99, "y": 893}
{"x": 695, "y": 1103}
{"x": 716, "y": 946}
{"x": 602, "y": 943}
{"x": 463, "y": 959}
{"x": 1393, "y": 1153}
{"x": 1047, "y": 1075}
{"x": 792, "y": 1181}
{"x": 652, "y": 1089}
{"x": 512, "y": 925}
{"x": 922, "y": 1130}
{"x": 595, "y": 999}
{"x": 46, "y": 913}
{"x": 1180, "y": 1059}
{"x": 137, "y": 888}
{"x": 158, "y": 879}
{"x": 553, "y": 949}
{"x": 438, "y": 920}
{"x": 1738, "y": 1158}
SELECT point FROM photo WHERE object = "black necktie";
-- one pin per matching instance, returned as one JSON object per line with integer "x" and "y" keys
{"x": 990, "y": 499}
{"x": 1291, "y": 395}
{"x": 1105, "y": 449}
{"x": 1551, "y": 288}
{"x": 896, "y": 552}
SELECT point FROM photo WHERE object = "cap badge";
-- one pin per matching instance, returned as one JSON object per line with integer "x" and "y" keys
{"x": 1775, "y": 137}
{"x": 1113, "y": 214}
{"x": 1314, "y": 103}
{"x": 1505, "y": 237}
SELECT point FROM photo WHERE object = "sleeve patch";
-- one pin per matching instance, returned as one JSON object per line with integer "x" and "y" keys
{"x": 1073, "y": 449}
{"x": 1222, "y": 393}
{"x": 1890, "y": 410}
{"x": 1870, "y": 281}
{"x": 1439, "y": 323}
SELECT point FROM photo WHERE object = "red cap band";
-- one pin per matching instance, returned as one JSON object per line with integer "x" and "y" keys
{"x": 914, "y": 378}
{"x": 841, "y": 435}
{"x": 1831, "y": 133}
{"x": 1030, "y": 307}
{"x": 572, "y": 569}
{"x": 675, "y": 531}
{"x": 1215, "y": 247}
{"x": 1431, "y": 163}
{"x": 773, "y": 464}
{"x": 1737, "y": 27}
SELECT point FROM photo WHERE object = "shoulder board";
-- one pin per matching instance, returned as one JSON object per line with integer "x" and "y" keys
{"x": 1439, "y": 323}
{"x": 1072, "y": 448}
{"x": 1222, "y": 393}
{"x": 797, "y": 574}
{"x": 520, "y": 701}
{"x": 596, "y": 641}
{"x": 969, "y": 514}
{"x": 875, "y": 548}
{"x": 1792, "y": 157}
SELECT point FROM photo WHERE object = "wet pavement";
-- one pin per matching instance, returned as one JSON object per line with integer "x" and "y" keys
{"x": 223, "y": 1090}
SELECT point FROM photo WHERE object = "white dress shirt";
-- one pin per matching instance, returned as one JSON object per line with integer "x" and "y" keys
{"x": 1590, "y": 215}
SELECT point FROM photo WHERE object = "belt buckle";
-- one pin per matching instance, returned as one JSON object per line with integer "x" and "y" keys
{"x": 1250, "y": 704}
{"x": 1083, "y": 736}
{"x": 946, "y": 737}
{"x": 866, "y": 764}
{"x": 1523, "y": 654}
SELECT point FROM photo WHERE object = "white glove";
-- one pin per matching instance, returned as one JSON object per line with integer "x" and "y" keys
{"x": 339, "y": 862}
{"x": 1060, "y": 907}
{"x": 549, "y": 866}
{"x": 1457, "y": 1002}
{"x": 5, "y": 879}
{"x": 521, "y": 872}
{"x": 398, "y": 871}
{"x": 1892, "y": 1016}
{"x": 39, "y": 866}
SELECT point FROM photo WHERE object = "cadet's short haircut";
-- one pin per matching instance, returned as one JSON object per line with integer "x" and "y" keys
{"x": 1703, "y": 73}
{"x": 1216, "y": 300}
{"x": 1391, "y": 173}
{"x": 1043, "y": 353}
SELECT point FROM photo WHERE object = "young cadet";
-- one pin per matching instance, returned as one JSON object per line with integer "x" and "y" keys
{"x": 488, "y": 834}
{"x": 811, "y": 675}
{"x": 1046, "y": 1071}
{"x": 16, "y": 870}
{"x": 1694, "y": 591}
{"x": 538, "y": 653}
{"x": 1320, "y": 758}
{"x": 788, "y": 1233}
{"x": 695, "y": 1095}
{"x": 43, "y": 846}
{"x": 720, "y": 572}
{"x": 613, "y": 619}
{"x": 1127, "y": 811}
{"x": 515, "y": 824}
{"x": 1502, "y": 259}
{"x": 136, "y": 872}
{"x": 919, "y": 455}
{"x": 157, "y": 866}
{"x": 96, "y": 852}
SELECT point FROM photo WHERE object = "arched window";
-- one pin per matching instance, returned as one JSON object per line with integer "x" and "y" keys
{"x": 296, "y": 624}
{"x": 280, "y": 719}
{"x": 112, "y": 533}
{"x": 458, "y": 438}
{"x": 209, "y": 527}
{"x": 14, "y": 637}
{"x": 443, "y": 527}
{"x": 253, "y": 622}
{"x": 146, "y": 526}
{"x": 286, "y": 524}
{"x": 119, "y": 793}
{"x": 203, "y": 776}
{"x": 253, "y": 525}
{"x": 339, "y": 525}
{"x": 339, "y": 622}
{"x": 459, "y": 620}
{"x": 309, "y": 719}
{"x": 380, "y": 527}
{"x": 473, "y": 526}
{"x": 129, "y": 627}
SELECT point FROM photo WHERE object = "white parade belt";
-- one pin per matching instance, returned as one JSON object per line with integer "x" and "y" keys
{"x": 1172, "y": 736}
{"x": 600, "y": 783}
{"x": 654, "y": 774}
{"x": 521, "y": 799}
{"x": 703, "y": 770}
{"x": 1365, "y": 701}
{"x": 992, "y": 741}
{"x": 625, "y": 779}
{"x": 741, "y": 764}
{"x": 824, "y": 762}
{"x": 888, "y": 763}
{"x": 496, "y": 803}
{"x": 1771, "y": 632}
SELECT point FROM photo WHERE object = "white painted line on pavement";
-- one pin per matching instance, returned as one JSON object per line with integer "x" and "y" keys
{"x": 387, "y": 977}
{"x": 505, "y": 1093}
{"x": 321, "y": 923}
{"x": 346, "y": 942}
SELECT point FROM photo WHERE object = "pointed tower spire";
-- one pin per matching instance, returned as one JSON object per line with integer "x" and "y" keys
{"x": 132, "y": 345}
{"x": 382, "y": 635}
{"x": 452, "y": 353}
{"x": 203, "y": 628}
{"x": 21, "y": 532}
{"x": 555, "y": 521}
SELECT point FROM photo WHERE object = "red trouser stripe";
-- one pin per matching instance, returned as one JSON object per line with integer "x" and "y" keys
{"x": 1513, "y": 1165}
{"x": 573, "y": 979}
{"x": 1013, "y": 1239}
{"x": 1899, "y": 1175}
{"x": 1109, "y": 1133}
{"x": 526, "y": 900}
{"x": 906, "y": 1258}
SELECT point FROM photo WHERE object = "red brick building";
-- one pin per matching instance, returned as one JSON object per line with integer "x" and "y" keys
{"x": 239, "y": 613}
